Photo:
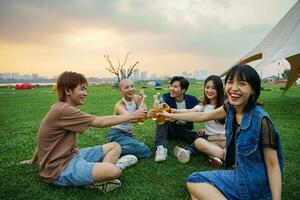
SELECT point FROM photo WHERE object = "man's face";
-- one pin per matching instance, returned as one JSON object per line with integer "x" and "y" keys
{"x": 175, "y": 90}
{"x": 77, "y": 95}
{"x": 127, "y": 89}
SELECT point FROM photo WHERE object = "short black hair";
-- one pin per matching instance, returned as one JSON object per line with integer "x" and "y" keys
{"x": 184, "y": 83}
{"x": 246, "y": 73}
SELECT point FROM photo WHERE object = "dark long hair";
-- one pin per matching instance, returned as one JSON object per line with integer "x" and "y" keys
{"x": 220, "y": 93}
{"x": 248, "y": 74}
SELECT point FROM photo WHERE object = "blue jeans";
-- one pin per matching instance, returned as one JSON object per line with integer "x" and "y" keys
{"x": 171, "y": 130}
{"x": 79, "y": 170}
{"x": 129, "y": 144}
{"x": 223, "y": 180}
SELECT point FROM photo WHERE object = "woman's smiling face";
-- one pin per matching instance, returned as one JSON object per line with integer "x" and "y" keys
{"x": 238, "y": 92}
{"x": 210, "y": 90}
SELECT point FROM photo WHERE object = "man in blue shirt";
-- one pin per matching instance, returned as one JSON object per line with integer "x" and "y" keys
{"x": 176, "y": 98}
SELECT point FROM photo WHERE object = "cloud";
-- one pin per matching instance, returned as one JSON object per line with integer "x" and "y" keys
{"x": 29, "y": 21}
{"x": 33, "y": 19}
{"x": 204, "y": 28}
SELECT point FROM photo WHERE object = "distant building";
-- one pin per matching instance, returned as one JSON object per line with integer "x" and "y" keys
{"x": 5, "y": 75}
{"x": 200, "y": 74}
{"x": 144, "y": 75}
{"x": 165, "y": 77}
{"x": 185, "y": 74}
{"x": 35, "y": 76}
{"x": 27, "y": 77}
{"x": 10, "y": 76}
{"x": 136, "y": 75}
{"x": 153, "y": 77}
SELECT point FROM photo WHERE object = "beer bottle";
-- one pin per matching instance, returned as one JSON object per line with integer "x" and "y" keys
{"x": 143, "y": 106}
{"x": 166, "y": 107}
{"x": 159, "y": 118}
{"x": 156, "y": 106}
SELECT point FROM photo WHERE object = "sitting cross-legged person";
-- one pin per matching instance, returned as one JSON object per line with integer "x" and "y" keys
{"x": 61, "y": 162}
{"x": 122, "y": 133}
{"x": 211, "y": 139}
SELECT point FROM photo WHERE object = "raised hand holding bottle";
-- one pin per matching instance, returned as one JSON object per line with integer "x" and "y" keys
{"x": 144, "y": 107}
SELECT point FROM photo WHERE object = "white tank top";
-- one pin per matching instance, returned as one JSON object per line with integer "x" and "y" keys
{"x": 211, "y": 127}
{"x": 130, "y": 107}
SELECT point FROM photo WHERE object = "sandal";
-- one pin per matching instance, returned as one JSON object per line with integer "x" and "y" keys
{"x": 215, "y": 161}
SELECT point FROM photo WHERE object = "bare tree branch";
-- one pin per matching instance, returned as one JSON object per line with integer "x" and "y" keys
{"x": 125, "y": 60}
{"x": 120, "y": 70}
{"x": 111, "y": 68}
{"x": 118, "y": 67}
{"x": 131, "y": 69}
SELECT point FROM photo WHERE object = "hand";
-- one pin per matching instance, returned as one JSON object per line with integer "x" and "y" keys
{"x": 151, "y": 113}
{"x": 201, "y": 132}
{"x": 169, "y": 119}
{"x": 173, "y": 110}
{"x": 140, "y": 113}
{"x": 26, "y": 162}
{"x": 141, "y": 92}
{"x": 164, "y": 113}
{"x": 141, "y": 95}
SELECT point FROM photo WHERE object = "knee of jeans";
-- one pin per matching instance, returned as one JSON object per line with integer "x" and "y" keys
{"x": 145, "y": 153}
{"x": 148, "y": 153}
{"x": 141, "y": 151}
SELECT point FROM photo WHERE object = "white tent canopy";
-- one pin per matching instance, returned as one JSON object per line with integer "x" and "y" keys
{"x": 283, "y": 42}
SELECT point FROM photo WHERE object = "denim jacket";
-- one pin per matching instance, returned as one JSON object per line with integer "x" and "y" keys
{"x": 250, "y": 170}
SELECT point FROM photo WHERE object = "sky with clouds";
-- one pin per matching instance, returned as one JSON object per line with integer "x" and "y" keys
{"x": 166, "y": 36}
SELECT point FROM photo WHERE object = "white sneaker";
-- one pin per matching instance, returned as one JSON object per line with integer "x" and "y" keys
{"x": 161, "y": 153}
{"x": 105, "y": 186}
{"x": 126, "y": 161}
{"x": 182, "y": 154}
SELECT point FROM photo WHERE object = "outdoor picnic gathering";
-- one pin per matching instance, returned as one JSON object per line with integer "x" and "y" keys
{"x": 150, "y": 100}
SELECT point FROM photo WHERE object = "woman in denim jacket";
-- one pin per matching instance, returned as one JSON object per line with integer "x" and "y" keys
{"x": 252, "y": 145}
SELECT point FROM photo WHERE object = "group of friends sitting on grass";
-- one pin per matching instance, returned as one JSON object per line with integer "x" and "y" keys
{"x": 238, "y": 136}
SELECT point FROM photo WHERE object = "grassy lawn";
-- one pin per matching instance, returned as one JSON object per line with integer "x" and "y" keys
{"x": 22, "y": 111}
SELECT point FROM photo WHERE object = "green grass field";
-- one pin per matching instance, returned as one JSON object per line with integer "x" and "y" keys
{"x": 22, "y": 111}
